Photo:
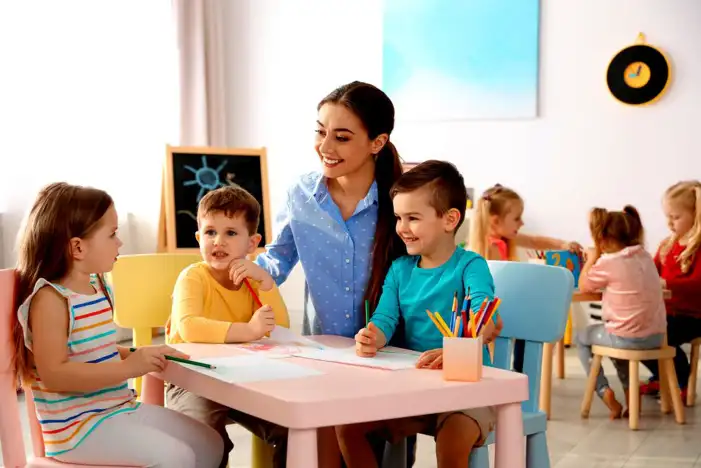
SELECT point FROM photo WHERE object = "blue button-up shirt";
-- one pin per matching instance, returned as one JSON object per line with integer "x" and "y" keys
{"x": 335, "y": 254}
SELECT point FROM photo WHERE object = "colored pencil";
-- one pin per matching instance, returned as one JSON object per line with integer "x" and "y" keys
{"x": 456, "y": 331}
{"x": 367, "y": 313}
{"x": 253, "y": 293}
{"x": 436, "y": 323}
{"x": 454, "y": 311}
{"x": 465, "y": 324}
{"x": 185, "y": 361}
{"x": 442, "y": 322}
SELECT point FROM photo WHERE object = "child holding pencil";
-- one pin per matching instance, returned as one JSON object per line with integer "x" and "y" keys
{"x": 67, "y": 352}
{"x": 429, "y": 204}
{"x": 226, "y": 299}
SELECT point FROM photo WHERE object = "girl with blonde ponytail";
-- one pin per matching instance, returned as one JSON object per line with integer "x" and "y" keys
{"x": 495, "y": 226}
{"x": 494, "y": 234}
{"x": 678, "y": 264}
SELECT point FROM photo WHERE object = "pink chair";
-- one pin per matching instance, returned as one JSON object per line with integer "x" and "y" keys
{"x": 13, "y": 454}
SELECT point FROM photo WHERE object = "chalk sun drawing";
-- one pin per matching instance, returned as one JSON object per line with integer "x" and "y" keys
{"x": 208, "y": 179}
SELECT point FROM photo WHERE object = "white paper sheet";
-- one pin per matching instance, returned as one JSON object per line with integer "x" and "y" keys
{"x": 287, "y": 336}
{"x": 252, "y": 368}
{"x": 388, "y": 360}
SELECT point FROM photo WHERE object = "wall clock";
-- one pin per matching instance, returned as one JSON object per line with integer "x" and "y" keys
{"x": 639, "y": 74}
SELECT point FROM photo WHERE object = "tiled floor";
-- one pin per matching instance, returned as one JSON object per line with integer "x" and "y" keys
{"x": 575, "y": 443}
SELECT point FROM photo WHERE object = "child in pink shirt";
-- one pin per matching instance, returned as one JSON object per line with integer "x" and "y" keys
{"x": 632, "y": 307}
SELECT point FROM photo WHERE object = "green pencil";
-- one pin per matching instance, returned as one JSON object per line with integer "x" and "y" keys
{"x": 185, "y": 361}
{"x": 367, "y": 313}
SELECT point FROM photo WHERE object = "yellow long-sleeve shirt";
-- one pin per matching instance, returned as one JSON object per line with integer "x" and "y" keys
{"x": 203, "y": 309}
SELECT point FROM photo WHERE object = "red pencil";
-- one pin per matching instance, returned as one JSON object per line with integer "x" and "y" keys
{"x": 253, "y": 293}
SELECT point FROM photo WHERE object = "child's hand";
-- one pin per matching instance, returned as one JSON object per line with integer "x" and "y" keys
{"x": 150, "y": 359}
{"x": 366, "y": 341}
{"x": 262, "y": 322}
{"x": 244, "y": 268}
{"x": 574, "y": 247}
{"x": 491, "y": 331}
{"x": 592, "y": 254}
{"x": 432, "y": 359}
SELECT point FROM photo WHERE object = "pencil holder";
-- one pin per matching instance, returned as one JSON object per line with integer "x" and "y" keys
{"x": 462, "y": 359}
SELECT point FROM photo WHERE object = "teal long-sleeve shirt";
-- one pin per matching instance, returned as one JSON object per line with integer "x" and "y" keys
{"x": 409, "y": 290}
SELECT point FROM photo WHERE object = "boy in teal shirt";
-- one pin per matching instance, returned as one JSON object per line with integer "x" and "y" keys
{"x": 429, "y": 204}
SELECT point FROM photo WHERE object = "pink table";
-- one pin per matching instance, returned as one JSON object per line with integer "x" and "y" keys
{"x": 346, "y": 394}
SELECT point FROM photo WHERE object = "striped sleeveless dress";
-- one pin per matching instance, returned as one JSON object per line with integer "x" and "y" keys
{"x": 67, "y": 418}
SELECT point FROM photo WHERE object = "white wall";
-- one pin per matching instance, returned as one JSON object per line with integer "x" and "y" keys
{"x": 90, "y": 102}
{"x": 584, "y": 150}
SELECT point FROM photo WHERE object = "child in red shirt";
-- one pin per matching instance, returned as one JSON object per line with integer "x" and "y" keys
{"x": 680, "y": 272}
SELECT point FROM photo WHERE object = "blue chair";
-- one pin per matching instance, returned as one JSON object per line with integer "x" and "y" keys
{"x": 535, "y": 301}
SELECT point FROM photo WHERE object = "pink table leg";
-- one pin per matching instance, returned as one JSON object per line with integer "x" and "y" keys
{"x": 510, "y": 446}
{"x": 152, "y": 390}
{"x": 301, "y": 449}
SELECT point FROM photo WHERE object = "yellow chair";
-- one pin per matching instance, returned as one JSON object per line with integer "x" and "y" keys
{"x": 143, "y": 288}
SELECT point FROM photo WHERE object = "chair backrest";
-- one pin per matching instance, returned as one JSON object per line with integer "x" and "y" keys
{"x": 10, "y": 426}
{"x": 143, "y": 287}
{"x": 535, "y": 301}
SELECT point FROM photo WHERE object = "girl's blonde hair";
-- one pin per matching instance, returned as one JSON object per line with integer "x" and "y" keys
{"x": 495, "y": 201}
{"x": 60, "y": 213}
{"x": 688, "y": 194}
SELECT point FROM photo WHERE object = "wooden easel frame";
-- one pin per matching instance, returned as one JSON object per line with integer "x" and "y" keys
{"x": 166, "y": 222}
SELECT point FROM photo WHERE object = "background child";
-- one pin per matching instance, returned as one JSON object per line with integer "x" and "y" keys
{"x": 495, "y": 226}
{"x": 429, "y": 203}
{"x": 212, "y": 305}
{"x": 678, "y": 264}
{"x": 66, "y": 348}
{"x": 494, "y": 234}
{"x": 632, "y": 306}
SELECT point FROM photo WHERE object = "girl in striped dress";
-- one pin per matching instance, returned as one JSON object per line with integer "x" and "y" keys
{"x": 67, "y": 351}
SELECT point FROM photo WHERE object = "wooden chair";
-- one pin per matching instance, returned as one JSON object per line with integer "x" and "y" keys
{"x": 669, "y": 387}
{"x": 691, "y": 386}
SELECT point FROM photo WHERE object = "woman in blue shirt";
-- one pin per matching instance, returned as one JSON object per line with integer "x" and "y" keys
{"x": 340, "y": 223}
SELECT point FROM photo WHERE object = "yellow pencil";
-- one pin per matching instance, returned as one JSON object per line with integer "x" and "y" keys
{"x": 435, "y": 322}
{"x": 473, "y": 332}
{"x": 443, "y": 324}
{"x": 456, "y": 332}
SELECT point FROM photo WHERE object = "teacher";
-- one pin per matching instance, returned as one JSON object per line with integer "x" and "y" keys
{"x": 339, "y": 223}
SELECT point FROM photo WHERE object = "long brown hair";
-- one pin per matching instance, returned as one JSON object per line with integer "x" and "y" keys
{"x": 622, "y": 227}
{"x": 60, "y": 212}
{"x": 688, "y": 195}
{"x": 495, "y": 201}
{"x": 376, "y": 111}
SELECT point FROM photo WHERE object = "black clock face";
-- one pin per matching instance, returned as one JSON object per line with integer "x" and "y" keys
{"x": 638, "y": 75}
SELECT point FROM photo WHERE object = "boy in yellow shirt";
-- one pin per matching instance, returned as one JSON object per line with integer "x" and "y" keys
{"x": 211, "y": 304}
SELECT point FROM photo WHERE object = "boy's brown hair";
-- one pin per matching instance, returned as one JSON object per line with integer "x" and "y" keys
{"x": 232, "y": 200}
{"x": 445, "y": 182}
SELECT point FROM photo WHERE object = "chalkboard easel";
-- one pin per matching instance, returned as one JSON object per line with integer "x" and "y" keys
{"x": 190, "y": 172}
